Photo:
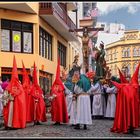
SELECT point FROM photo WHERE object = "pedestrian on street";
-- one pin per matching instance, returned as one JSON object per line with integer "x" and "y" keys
{"x": 68, "y": 95}
{"x": 83, "y": 109}
{"x": 99, "y": 104}
{"x": 68, "y": 90}
{"x": 111, "y": 90}
{"x": 73, "y": 110}
{"x": 27, "y": 89}
{"x": 14, "y": 112}
{"x": 59, "y": 111}
{"x": 37, "y": 100}
{"x": 127, "y": 107}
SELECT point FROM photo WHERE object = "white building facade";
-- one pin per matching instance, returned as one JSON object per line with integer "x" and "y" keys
{"x": 112, "y": 32}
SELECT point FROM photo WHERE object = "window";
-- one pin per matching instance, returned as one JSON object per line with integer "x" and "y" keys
{"x": 134, "y": 66}
{"x": 139, "y": 51}
{"x": 134, "y": 52}
{"x": 129, "y": 69}
{"x": 5, "y": 35}
{"x": 45, "y": 39}
{"x": 102, "y": 25}
{"x": 62, "y": 54}
{"x": 128, "y": 52}
{"x": 16, "y": 40}
{"x": 107, "y": 56}
{"x": 27, "y": 43}
{"x": 111, "y": 55}
{"x": 123, "y": 53}
{"x": 115, "y": 54}
{"x": 126, "y": 69}
{"x": 16, "y": 36}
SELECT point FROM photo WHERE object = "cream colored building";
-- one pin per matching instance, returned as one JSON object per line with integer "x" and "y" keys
{"x": 125, "y": 53}
{"x": 37, "y": 32}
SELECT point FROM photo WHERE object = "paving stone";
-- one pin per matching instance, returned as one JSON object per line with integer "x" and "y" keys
{"x": 99, "y": 129}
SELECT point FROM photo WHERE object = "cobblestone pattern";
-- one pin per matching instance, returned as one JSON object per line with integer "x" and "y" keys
{"x": 99, "y": 129}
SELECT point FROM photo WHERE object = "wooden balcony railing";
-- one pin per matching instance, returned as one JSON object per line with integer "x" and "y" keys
{"x": 59, "y": 10}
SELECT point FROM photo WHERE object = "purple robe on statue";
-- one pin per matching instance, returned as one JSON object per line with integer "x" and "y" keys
{"x": 4, "y": 85}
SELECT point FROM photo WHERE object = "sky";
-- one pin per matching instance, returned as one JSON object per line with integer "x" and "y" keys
{"x": 127, "y": 13}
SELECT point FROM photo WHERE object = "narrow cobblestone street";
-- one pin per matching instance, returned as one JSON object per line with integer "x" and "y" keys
{"x": 99, "y": 129}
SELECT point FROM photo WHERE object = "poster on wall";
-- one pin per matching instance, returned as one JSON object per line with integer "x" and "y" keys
{"x": 27, "y": 44}
{"x": 16, "y": 41}
{"x": 5, "y": 40}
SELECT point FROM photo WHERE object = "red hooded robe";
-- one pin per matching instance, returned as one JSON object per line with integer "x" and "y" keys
{"x": 127, "y": 105}
{"x": 58, "y": 106}
{"x": 38, "y": 106}
{"x": 29, "y": 101}
{"x": 15, "y": 89}
{"x": 135, "y": 82}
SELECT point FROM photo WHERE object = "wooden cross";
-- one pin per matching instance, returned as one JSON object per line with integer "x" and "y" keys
{"x": 86, "y": 59}
{"x": 89, "y": 29}
{"x": 86, "y": 25}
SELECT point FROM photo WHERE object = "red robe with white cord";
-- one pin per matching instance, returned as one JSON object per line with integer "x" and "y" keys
{"x": 58, "y": 105}
{"x": 14, "y": 111}
{"x": 27, "y": 88}
{"x": 38, "y": 104}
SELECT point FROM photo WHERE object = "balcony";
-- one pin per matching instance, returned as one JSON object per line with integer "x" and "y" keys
{"x": 28, "y": 7}
{"x": 56, "y": 15}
